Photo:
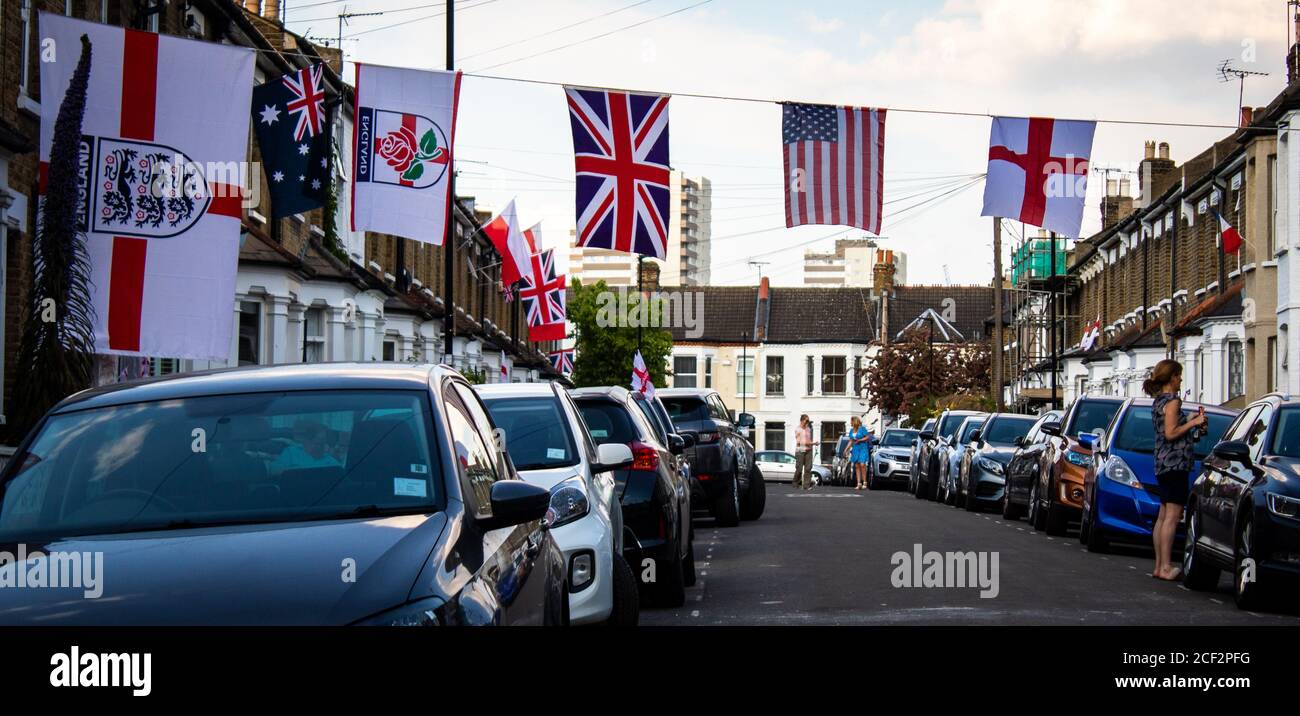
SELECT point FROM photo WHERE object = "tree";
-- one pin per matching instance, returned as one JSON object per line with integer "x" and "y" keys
{"x": 56, "y": 350}
{"x": 604, "y": 348}
{"x": 918, "y": 378}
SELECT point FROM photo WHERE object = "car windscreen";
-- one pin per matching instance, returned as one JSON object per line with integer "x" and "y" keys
{"x": 1004, "y": 431}
{"x": 1092, "y": 415}
{"x": 1138, "y": 434}
{"x": 950, "y": 424}
{"x": 971, "y": 426}
{"x": 608, "y": 422}
{"x": 685, "y": 409}
{"x": 534, "y": 430}
{"x": 244, "y": 458}
{"x": 898, "y": 438}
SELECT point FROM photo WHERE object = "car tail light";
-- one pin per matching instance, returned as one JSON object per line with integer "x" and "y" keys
{"x": 703, "y": 476}
{"x": 704, "y": 438}
{"x": 644, "y": 457}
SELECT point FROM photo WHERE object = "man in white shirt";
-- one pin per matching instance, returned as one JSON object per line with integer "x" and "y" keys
{"x": 803, "y": 445}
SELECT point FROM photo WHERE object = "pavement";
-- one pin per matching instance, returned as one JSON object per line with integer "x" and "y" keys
{"x": 828, "y": 557}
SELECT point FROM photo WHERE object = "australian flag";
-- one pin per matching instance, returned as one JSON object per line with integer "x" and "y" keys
{"x": 292, "y": 131}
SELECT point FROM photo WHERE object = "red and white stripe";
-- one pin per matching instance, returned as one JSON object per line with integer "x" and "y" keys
{"x": 842, "y": 182}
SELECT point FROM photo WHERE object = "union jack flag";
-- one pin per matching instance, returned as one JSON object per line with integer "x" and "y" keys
{"x": 543, "y": 291}
{"x": 562, "y": 360}
{"x": 308, "y": 103}
{"x": 620, "y": 146}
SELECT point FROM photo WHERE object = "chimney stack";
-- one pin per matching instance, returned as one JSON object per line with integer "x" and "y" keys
{"x": 253, "y": 6}
{"x": 271, "y": 10}
{"x": 1152, "y": 168}
{"x": 1247, "y": 116}
{"x": 1150, "y": 150}
{"x": 650, "y": 275}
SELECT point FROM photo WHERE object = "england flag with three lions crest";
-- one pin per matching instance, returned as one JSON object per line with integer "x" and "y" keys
{"x": 402, "y": 151}
{"x": 163, "y": 148}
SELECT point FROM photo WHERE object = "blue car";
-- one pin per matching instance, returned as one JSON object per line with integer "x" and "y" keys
{"x": 1121, "y": 497}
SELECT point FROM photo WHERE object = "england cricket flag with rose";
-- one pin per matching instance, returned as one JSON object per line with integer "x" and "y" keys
{"x": 163, "y": 149}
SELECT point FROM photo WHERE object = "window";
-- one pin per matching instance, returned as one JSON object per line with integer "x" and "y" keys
{"x": 478, "y": 470}
{"x": 830, "y": 433}
{"x": 25, "y": 17}
{"x": 719, "y": 408}
{"x": 390, "y": 350}
{"x": 708, "y": 371}
{"x": 250, "y": 332}
{"x": 313, "y": 335}
{"x": 833, "y": 373}
{"x": 1259, "y": 426}
{"x": 857, "y": 375}
{"x": 536, "y": 431}
{"x": 775, "y": 375}
{"x": 1270, "y": 204}
{"x": 1272, "y": 364}
{"x": 745, "y": 376}
{"x": 774, "y": 436}
{"x": 809, "y": 390}
{"x": 1236, "y": 370}
{"x": 1200, "y": 375}
{"x": 684, "y": 372}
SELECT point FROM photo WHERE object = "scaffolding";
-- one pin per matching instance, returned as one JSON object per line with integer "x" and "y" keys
{"x": 1033, "y": 284}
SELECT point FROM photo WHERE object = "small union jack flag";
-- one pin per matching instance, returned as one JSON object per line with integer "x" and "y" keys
{"x": 543, "y": 291}
{"x": 562, "y": 360}
{"x": 308, "y": 102}
{"x": 620, "y": 146}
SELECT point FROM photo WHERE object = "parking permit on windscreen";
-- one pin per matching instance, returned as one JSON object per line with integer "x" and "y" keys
{"x": 418, "y": 469}
{"x": 554, "y": 453}
{"x": 407, "y": 487}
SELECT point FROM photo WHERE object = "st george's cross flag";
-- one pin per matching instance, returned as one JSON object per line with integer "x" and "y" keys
{"x": 562, "y": 360}
{"x": 510, "y": 243}
{"x": 543, "y": 294}
{"x": 620, "y": 147}
{"x": 834, "y": 165}
{"x": 293, "y": 135}
{"x": 1091, "y": 333}
{"x": 505, "y": 369}
{"x": 641, "y": 381}
{"x": 402, "y": 151}
{"x": 1231, "y": 239}
{"x": 1038, "y": 172}
{"x": 163, "y": 146}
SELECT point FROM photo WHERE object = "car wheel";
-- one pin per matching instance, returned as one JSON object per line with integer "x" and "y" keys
{"x": 1035, "y": 511}
{"x": 726, "y": 507}
{"x": 1246, "y": 587}
{"x": 1010, "y": 511}
{"x": 1095, "y": 539}
{"x": 669, "y": 589}
{"x": 688, "y": 567}
{"x": 627, "y": 603}
{"x": 756, "y": 498}
{"x": 1198, "y": 574}
{"x": 968, "y": 499}
{"x": 1057, "y": 520}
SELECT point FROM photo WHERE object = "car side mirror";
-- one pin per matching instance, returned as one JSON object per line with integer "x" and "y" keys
{"x": 688, "y": 440}
{"x": 676, "y": 445}
{"x": 746, "y": 420}
{"x": 617, "y": 456}
{"x": 515, "y": 502}
{"x": 976, "y": 435}
{"x": 927, "y": 435}
{"x": 1019, "y": 441}
{"x": 1052, "y": 428}
{"x": 1233, "y": 451}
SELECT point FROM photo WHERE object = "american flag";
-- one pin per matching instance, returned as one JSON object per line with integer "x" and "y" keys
{"x": 543, "y": 291}
{"x": 620, "y": 146}
{"x": 562, "y": 360}
{"x": 308, "y": 103}
{"x": 834, "y": 165}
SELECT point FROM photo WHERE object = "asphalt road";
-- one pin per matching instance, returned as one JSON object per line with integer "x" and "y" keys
{"x": 826, "y": 558}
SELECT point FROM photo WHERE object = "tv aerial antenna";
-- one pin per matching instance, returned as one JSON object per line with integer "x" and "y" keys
{"x": 1228, "y": 73}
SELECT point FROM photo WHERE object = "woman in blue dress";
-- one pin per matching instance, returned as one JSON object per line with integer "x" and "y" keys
{"x": 858, "y": 451}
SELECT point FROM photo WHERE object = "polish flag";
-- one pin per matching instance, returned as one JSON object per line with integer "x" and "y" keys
{"x": 165, "y": 145}
{"x": 1231, "y": 239}
{"x": 533, "y": 237}
{"x": 510, "y": 243}
{"x": 641, "y": 382}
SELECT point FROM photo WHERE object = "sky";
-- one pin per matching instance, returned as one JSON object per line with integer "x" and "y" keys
{"x": 1151, "y": 61}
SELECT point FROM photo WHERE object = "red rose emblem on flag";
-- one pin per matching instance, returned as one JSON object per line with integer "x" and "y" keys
{"x": 398, "y": 149}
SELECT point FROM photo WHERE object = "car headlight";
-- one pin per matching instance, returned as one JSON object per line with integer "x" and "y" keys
{"x": 992, "y": 466}
{"x": 1119, "y": 471}
{"x": 1078, "y": 458}
{"x": 568, "y": 502}
{"x": 1284, "y": 506}
{"x": 423, "y": 612}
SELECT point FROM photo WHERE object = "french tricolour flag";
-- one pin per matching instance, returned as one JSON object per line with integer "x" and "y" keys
{"x": 165, "y": 138}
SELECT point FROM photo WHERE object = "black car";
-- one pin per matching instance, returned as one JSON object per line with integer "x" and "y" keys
{"x": 917, "y": 442}
{"x": 724, "y": 478}
{"x": 656, "y": 501}
{"x": 365, "y": 493}
{"x": 1022, "y": 468}
{"x": 891, "y": 459}
{"x": 1243, "y": 514}
{"x": 982, "y": 472}
{"x": 927, "y": 468}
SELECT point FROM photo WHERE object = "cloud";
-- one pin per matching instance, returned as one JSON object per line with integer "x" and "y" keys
{"x": 818, "y": 26}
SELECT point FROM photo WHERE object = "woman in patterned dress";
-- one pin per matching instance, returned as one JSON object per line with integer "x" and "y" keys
{"x": 1176, "y": 435}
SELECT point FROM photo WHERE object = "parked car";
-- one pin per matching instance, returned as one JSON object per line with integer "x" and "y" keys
{"x": 550, "y": 446}
{"x": 927, "y": 481}
{"x": 656, "y": 503}
{"x": 1022, "y": 468}
{"x": 1122, "y": 505}
{"x": 981, "y": 474}
{"x": 949, "y": 456}
{"x": 242, "y": 496}
{"x": 1056, "y": 497}
{"x": 913, "y": 471}
{"x": 778, "y": 466}
{"x": 657, "y": 415}
{"x": 726, "y": 480}
{"x": 840, "y": 473}
{"x": 1243, "y": 515}
{"x": 891, "y": 461}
